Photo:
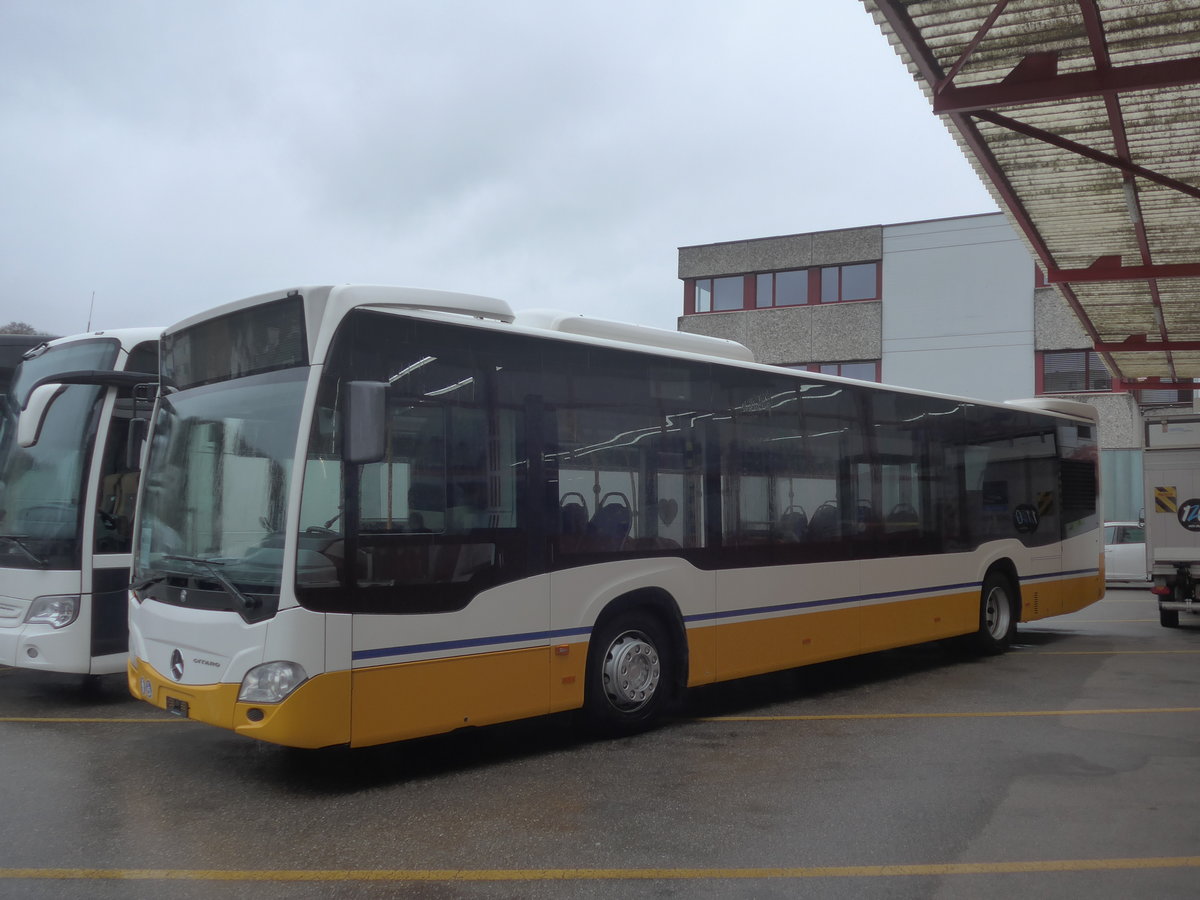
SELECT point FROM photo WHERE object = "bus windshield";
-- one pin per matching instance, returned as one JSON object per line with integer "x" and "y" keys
{"x": 214, "y": 507}
{"x": 41, "y": 487}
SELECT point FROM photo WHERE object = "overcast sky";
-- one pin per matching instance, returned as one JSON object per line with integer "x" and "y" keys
{"x": 173, "y": 156}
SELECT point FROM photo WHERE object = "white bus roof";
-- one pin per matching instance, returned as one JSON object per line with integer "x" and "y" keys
{"x": 129, "y": 337}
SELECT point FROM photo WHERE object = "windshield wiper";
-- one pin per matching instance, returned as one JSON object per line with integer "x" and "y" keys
{"x": 211, "y": 565}
{"x": 19, "y": 541}
{"x": 148, "y": 581}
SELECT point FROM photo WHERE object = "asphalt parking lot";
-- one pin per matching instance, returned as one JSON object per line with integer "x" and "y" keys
{"x": 1065, "y": 768}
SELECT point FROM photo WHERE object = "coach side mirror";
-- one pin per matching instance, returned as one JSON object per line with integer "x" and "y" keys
{"x": 1142, "y": 517}
{"x": 33, "y": 416}
{"x": 363, "y": 433}
{"x": 135, "y": 443}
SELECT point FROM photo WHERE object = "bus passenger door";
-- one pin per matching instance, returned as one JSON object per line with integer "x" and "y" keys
{"x": 111, "y": 510}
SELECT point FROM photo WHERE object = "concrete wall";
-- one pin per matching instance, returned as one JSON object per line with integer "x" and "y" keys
{"x": 832, "y": 332}
{"x": 958, "y": 308}
{"x": 1055, "y": 325}
{"x": 793, "y": 251}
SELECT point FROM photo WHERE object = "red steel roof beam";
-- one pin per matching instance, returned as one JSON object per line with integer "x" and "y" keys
{"x": 1082, "y": 150}
{"x": 1098, "y": 42}
{"x": 944, "y": 83}
{"x": 1109, "y": 268}
{"x": 1141, "y": 345}
{"x": 1069, "y": 86}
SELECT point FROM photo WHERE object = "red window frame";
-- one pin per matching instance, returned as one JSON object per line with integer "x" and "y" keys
{"x": 815, "y": 276}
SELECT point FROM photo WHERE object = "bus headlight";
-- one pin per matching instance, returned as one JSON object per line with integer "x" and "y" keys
{"x": 57, "y": 612}
{"x": 271, "y": 682}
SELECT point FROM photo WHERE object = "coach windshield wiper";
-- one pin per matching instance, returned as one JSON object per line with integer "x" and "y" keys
{"x": 211, "y": 565}
{"x": 148, "y": 581}
{"x": 18, "y": 540}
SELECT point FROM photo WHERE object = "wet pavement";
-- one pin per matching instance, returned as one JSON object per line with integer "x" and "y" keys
{"x": 1067, "y": 767}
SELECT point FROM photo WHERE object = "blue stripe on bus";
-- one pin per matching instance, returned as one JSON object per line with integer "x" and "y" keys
{"x": 469, "y": 642}
{"x": 499, "y": 640}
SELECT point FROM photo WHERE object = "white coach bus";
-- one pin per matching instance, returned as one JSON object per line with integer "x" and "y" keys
{"x": 68, "y": 484}
{"x": 375, "y": 513}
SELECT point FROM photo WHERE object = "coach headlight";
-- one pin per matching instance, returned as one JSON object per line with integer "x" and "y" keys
{"x": 271, "y": 682}
{"x": 57, "y": 612}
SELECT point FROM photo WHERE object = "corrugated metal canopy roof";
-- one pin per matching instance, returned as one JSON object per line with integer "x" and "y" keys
{"x": 1083, "y": 118}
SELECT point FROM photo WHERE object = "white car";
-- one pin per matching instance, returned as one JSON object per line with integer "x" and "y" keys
{"x": 1125, "y": 553}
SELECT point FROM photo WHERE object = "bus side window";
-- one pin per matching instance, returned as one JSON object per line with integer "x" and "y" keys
{"x": 118, "y": 484}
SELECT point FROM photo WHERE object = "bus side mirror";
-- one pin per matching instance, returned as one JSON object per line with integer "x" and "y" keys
{"x": 33, "y": 416}
{"x": 366, "y": 415}
{"x": 135, "y": 443}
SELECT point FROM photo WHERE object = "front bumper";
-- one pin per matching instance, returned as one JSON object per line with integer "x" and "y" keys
{"x": 317, "y": 714}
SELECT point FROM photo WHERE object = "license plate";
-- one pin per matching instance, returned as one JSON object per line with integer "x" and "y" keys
{"x": 177, "y": 707}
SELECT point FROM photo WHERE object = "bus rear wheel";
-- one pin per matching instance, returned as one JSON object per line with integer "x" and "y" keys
{"x": 629, "y": 674}
{"x": 997, "y": 614}
{"x": 1168, "y": 618}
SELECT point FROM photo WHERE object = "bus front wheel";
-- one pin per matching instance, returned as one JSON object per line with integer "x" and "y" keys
{"x": 997, "y": 614}
{"x": 629, "y": 674}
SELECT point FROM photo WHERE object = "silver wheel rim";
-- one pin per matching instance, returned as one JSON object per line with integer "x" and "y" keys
{"x": 997, "y": 613}
{"x": 632, "y": 670}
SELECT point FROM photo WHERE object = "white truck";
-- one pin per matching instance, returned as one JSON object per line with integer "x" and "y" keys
{"x": 1172, "y": 479}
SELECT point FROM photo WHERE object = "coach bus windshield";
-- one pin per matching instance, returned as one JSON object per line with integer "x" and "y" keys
{"x": 41, "y": 486}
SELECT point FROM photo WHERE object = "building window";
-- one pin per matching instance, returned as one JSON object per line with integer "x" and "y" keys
{"x": 791, "y": 287}
{"x": 782, "y": 288}
{"x": 720, "y": 294}
{"x": 864, "y": 370}
{"x": 1163, "y": 396}
{"x": 728, "y": 293}
{"x": 857, "y": 282}
{"x": 1072, "y": 371}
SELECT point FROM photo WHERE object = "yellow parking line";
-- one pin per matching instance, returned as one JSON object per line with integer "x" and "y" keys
{"x": 89, "y": 720}
{"x": 951, "y": 715}
{"x": 1113, "y": 652}
{"x": 461, "y": 875}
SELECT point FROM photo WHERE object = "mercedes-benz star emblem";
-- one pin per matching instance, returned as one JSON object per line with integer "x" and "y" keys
{"x": 177, "y": 665}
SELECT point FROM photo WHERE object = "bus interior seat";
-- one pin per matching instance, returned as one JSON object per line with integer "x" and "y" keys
{"x": 826, "y": 522}
{"x": 903, "y": 517}
{"x": 793, "y": 524}
{"x": 573, "y": 522}
{"x": 610, "y": 525}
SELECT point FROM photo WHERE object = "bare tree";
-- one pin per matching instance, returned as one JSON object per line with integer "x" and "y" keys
{"x": 18, "y": 328}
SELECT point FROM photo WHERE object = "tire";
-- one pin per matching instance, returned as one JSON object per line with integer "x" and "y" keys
{"x": 1168, "y": 618}
{"x": 630, "y": 673}
{"x": 997, "y": 614}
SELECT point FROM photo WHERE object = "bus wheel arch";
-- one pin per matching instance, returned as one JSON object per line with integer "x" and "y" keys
{"x": 636, "y": 663}
{"x": 999, "y": 608}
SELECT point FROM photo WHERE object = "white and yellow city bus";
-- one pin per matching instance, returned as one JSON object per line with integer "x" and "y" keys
{"x": 68, "y": 483}
{"x": 374, "y": 513}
